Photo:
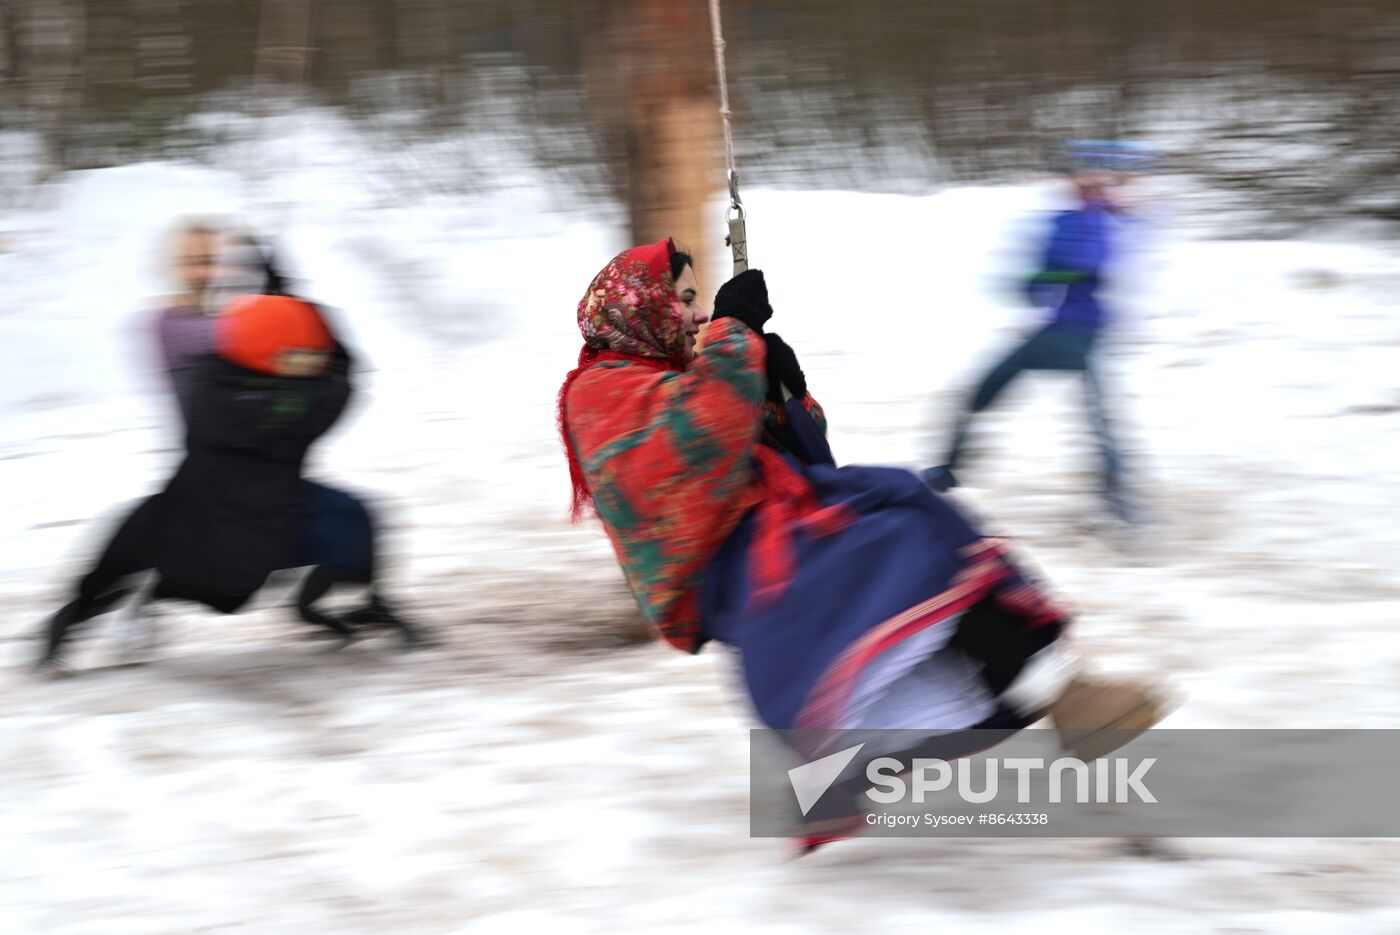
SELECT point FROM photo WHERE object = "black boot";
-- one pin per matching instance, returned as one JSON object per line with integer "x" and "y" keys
{"x": 71, "y": 615}
{"x": 318, "y": 582}
{"x": 56, "y": 633}
{"x": 376, "y": 614}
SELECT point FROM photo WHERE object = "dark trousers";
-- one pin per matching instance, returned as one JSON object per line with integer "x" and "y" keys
{"x": 337, "y": 534}
{"x": 1051, "y": 348}
{"x": 130, "y": 551}
{"x": 1000, "y": 641}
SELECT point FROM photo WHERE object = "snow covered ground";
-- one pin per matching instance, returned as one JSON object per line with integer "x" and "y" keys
{"x": 521, "y": 777}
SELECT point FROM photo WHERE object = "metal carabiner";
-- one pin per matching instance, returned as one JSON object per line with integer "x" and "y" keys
{"x": 737, "y": 240}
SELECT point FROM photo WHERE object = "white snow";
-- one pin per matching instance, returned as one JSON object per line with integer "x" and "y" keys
{"x": 519, "y": 779}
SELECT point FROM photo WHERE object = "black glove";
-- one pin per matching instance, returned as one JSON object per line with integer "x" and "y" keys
{"x": 783, "y": 370}
{"x": 745, "y": 297}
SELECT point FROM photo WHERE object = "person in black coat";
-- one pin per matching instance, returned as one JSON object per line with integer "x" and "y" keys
{"x": 237, "y": 508}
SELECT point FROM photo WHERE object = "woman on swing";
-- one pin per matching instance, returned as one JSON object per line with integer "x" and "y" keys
{"x": 854, "y": 596}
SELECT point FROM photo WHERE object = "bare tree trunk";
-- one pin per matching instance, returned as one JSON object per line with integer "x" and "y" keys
{"x": 283, "y": 53}
{"x": 425, "y": 34}
{"x": 282, "y": 62}
{"x": 163, "y": 50}
{"x": 9, "y": 51}
{"x": 651, "y": 86}
{"x": 54, "y": 38}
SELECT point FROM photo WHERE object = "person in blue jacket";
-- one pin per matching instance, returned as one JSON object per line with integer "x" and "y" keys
{"x": 1078, "y": 249}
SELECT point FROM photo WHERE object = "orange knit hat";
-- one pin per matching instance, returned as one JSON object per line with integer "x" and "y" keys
{"x": 273, "y": 334}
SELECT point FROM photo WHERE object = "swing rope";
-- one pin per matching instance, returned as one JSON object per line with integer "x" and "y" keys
{"x": 737, "y": 241}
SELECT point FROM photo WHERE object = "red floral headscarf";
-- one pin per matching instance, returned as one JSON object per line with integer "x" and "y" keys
{"x": 629, "y": 311}
{"x": 630, "y": 306}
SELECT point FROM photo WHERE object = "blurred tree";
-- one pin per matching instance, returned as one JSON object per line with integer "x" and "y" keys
{"x": 9, "y": 48}
{"x": 283, "y": 54}
{"x": 650, "y": 81}
{"x": 1280, "y": 108}
{"x": 53, "y": 79}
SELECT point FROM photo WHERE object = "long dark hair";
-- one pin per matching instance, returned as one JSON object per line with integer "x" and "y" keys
{"x": 679, "y": 261}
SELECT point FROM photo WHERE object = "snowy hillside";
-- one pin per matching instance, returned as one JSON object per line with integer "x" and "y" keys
{"x": 518, "y": 778}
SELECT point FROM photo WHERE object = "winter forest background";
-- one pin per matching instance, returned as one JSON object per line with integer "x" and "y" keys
{"x": 1283, "y": 108}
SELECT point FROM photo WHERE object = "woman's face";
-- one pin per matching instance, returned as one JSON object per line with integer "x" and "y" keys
{"x": 688, "y": 307}
{"x": 197, "y": 261}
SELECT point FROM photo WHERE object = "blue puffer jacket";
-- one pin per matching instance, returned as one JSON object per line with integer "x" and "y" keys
{"x": 1074, "y": 260}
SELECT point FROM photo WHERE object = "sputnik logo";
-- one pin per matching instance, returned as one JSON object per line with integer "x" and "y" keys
{"x": 811, "y": 780}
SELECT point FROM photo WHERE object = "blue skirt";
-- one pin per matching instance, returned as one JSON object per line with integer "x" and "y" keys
{"x": 877, "y": 601}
